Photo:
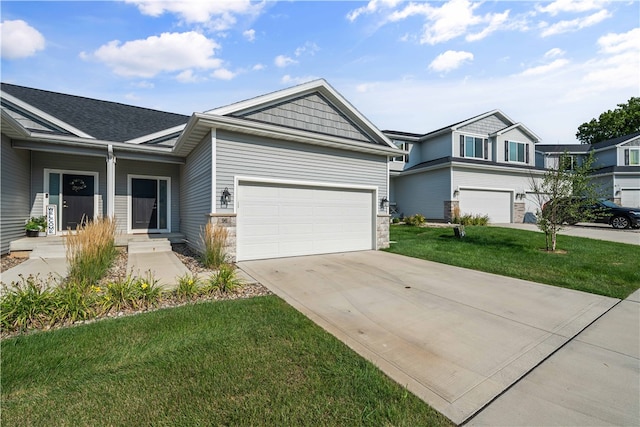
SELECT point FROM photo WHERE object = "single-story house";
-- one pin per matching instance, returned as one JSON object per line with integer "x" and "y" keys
{"x": 484, "y": 165}
{"x": 616, "y": 165}
{"x": 295, "y": 172}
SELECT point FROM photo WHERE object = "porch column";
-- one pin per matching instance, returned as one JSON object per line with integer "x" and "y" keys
{"x": 111, "y": 183}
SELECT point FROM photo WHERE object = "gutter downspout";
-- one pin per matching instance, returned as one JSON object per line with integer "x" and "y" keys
{"x": 111, "y": 182}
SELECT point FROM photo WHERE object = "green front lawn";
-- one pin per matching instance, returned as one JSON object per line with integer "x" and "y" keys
{"x": 245, "y": 362}
{"x": 595, "y": 266}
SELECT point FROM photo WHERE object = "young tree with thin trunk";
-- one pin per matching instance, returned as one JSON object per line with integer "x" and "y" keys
{"x": 563, "y": 195}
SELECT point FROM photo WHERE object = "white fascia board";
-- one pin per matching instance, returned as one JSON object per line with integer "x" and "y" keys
{"x": 483, "y": 168}
{"x": 12, "y": 127}
{"x": 45, "y": 116}
{"x": 156, "y": 135}
{"x": 279, "y": 132}
{"x": 319, "y": 85}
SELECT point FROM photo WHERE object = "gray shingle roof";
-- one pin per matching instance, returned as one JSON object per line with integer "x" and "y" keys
{"x": 104, "y": 120}
{"x": 614, "y": 141}
{"x": 561, "y": 148}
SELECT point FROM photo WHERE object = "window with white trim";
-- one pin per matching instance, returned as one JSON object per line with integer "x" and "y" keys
{"x": 567, "y": 162}
{"x": 472, "y": 146}
{"x": 403, "y": 145}
{"x": 632, "y": 157}
{"x": 516, "y": 152}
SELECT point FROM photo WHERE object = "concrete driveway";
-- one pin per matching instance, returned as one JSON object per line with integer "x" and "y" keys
{"x": 457, "y": 338}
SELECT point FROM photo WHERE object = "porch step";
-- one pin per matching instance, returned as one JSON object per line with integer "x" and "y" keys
{"x": 147, "y": 246}
{"x": 49, "y": 250}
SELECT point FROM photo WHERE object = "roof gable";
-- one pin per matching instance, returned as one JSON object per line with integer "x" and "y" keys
{"x": 86, "y": 117}
{"x": 314, "y": 107}
{"x": 622, "y": 140}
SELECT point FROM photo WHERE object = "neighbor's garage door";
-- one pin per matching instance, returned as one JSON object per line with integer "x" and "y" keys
{"x": 496, "y": 204}
{"x": 280, "y": 220}
{"x": 630, "y": 198}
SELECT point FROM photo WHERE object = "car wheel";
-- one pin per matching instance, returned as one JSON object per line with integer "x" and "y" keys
{"x": 620, "y": 222}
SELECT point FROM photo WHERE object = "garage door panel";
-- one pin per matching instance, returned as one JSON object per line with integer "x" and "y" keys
{"x": 495, "y": 204}
{"x": 278, "y": 221}
{"x": 630, "y": 198}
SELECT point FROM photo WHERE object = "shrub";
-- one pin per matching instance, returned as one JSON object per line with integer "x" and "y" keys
{"x": 118, "y": 295}
{"x": 214, "y": 241}
{"x": 73, "y": 301}
{"x": 27, "y": 304}
{"x": 91, "y": 250}
{"x": 189, "y": 287}
{"x": 468, "y": 219}
{"x": 416, "y": 220}
{"x": 36, "y": 223}
{"x": 224, "y": 280}
{"x": 395, "y": 220}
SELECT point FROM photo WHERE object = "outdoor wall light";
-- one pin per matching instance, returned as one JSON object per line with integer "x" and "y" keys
{"x": 224, "y": 198}
{"x": 384, "y": 202}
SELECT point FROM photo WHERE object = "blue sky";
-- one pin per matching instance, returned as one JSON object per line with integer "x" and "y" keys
{"x": 408, "y": 66}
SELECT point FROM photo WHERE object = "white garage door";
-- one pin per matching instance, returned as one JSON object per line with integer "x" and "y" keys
{"x": 277, "y": 220}
{"x": 496, "y": 204}
{"x": 630, "y": 198}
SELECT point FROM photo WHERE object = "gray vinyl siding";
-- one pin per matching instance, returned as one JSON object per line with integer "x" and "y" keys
{"x": 244, "y": 155}
{"x": 65, "y": 162}
{"x": 195, "y": 191}
{"x": 14, "y": 193}
{"x": 423, "y": 193}
{"x": 604, "y": 186}
{"x": 486, "y": 126}
{"x": 436, "y": 148}
{"x": 516, "y": 181}
{"x": 515, "y": 135}
{"x": 611, "y": 157}
{"x": 124, "y": 168}
{"x": 312, "y": 113}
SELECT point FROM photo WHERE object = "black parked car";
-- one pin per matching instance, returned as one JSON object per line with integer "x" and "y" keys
{"x": 603, "y": 211}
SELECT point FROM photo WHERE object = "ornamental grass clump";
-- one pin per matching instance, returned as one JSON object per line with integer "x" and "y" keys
{"x": 91, "y": 250}
{"x": 214, "y": 243}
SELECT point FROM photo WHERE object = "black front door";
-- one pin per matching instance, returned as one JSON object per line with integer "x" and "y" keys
{"x": 144, "y": 204}
{"x": 77, "y": 200}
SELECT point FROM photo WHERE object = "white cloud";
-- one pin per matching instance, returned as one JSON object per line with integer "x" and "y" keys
{"x": 156, "y": 54}
{"x": 258, "y": 67}
{"x": 19, "y": 40}
{"x": 289, "y": 80}
{"x": 554, "y": 53}
{"x": 144, "y": 85}
{"x": 223, "y": 74}
{"x": 575, "y": 24}
{"x": 545, "y": 69}
{"x": 450, "y": 60}
{"x": 496, "y": 22}
{"x": 187, "y": 76}
{"x": 618, "y": 43}
{"x": 366, "y": 87}
{"x": 574, "y": 6}
{"x": 218, "y": 15}
{"x": 309, "y": 48}
{"x": 371, "y": 7}
{"x": 249, "y": 35}
{"x": 282, "y": 61}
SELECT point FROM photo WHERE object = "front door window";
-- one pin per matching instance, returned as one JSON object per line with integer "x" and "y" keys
{"x": 149, "y": 204}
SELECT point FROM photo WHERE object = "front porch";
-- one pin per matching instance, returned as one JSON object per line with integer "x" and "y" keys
{"x": 22, "y": 247}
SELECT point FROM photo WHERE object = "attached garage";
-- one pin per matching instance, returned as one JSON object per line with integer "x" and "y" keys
{"x": 630, "y": 197}
{"x": 496, "y": 204}
{"x": 276, "y": 219}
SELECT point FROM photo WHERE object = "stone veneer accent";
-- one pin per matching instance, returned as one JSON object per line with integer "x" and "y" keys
{"x": 518, "y": 212}
{"x": 450, "y": 206}
{"x": 382, "y": 231}
{"x": 227, "y": 221}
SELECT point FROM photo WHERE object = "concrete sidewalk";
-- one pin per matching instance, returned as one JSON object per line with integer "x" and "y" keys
{"x": 594, "y": 380}
{"x": 456, "y": 338}
{"x": 587, "y": 230}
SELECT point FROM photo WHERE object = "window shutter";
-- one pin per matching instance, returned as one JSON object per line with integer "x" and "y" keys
{"x": 526, "y": 153}
{"x": 626, "y": 157}
{"x": 486, "y": 149}
{"x": 461, "y": 145}
{"x": 506, "y": 151}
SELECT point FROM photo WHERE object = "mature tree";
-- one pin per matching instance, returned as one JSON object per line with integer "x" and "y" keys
{"x": 624, "y": 120}
{"x": 563, "y": 195}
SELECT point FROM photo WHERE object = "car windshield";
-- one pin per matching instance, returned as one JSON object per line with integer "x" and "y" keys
{"x": 609, "y": 204}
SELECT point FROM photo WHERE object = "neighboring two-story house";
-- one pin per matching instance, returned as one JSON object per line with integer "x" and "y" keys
{"x": 616, "y": 165}
{"x": 484, "y": 165}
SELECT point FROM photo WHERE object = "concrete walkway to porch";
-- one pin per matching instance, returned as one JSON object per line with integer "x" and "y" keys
{"x": 47, "y": 256}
